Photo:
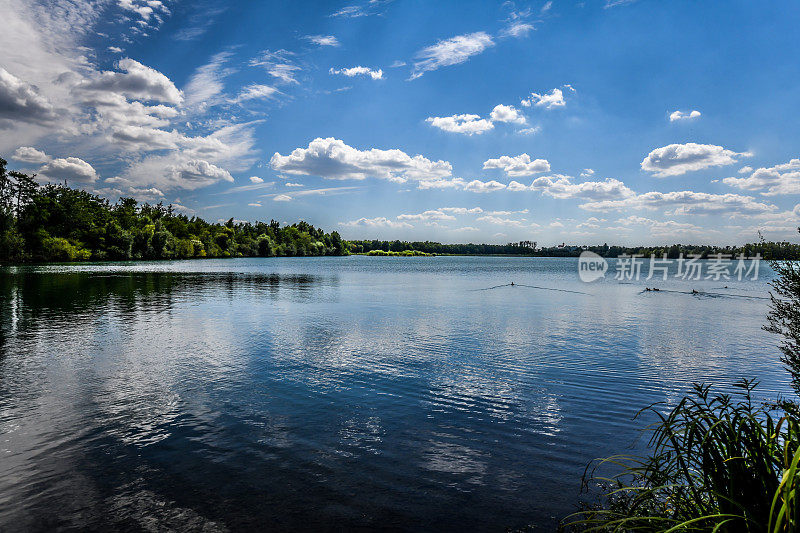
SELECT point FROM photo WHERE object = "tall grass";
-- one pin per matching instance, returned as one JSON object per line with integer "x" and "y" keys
{"x": 718, "y": 463}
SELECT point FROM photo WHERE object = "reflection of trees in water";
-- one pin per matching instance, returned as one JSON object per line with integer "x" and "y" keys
{"x": 29, "y": 297}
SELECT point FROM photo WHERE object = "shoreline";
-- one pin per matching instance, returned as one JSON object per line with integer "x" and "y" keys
{"x": 387, "y": 255}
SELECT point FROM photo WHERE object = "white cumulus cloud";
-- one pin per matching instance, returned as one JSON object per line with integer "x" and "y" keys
{"x": 333, "y": 159}
{"x": 685, "y": 203}
{"x": 563, "y": 187}
{"x": 470, "y": 124}
{"x": 680, "y": 115}
{"x": 484, "y": 186}
{"x": 461, "y": 210}
{"x": 70, "y": 169}
{"x": 506, "y": 113}
{"x": 377, "y": 222}
{"x": 137, "y": 81}
{"x": 21, "y": 101}
{"x": 677, "y": 159}
{"x": 432, "y": 214}
{"x": 28, "y": 154}
{"x": 554, "y": 98}
{"x": 518, "y": 166}
{"x": 466, "y": 124}
{"x": 197, "y": 173}
{"x": 779, "y": 179}
{"x": 358, "y": 71}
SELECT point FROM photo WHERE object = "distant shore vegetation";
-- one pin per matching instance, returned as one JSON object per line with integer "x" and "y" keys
{"x": 404, "y": 253}
{"x": 767, "y": 250}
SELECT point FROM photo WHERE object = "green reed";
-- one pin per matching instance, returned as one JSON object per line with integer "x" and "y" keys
{"x": 718, "y": 463}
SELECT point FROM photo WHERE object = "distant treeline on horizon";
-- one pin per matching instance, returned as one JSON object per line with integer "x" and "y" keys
{"x": 767, "y": 250}
{"x": 59, "y": 223}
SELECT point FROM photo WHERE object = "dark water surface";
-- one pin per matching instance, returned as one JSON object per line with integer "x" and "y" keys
{"x": 338, "y": 393}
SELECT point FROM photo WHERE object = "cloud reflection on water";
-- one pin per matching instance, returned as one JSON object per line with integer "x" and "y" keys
{"x": 371, "y": 392}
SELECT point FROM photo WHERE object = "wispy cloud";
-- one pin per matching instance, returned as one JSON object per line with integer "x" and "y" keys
{"x": 451, "y": 51}
{"x": 327, "y": 191}
{"x": 199, "y": 23}
{"x": 255, "y": 91}
{"x": 517, "y": 29}
{"x": 372, "y": 7}
{"x": 323, "y": 40}
{"x": 206, "y": 86}
{"x": 518, "y": 23}
{"x": 279, "y": 64}
{"x": 254, "y": 186}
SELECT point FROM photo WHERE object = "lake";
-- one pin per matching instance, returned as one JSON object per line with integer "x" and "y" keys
{"x": 336, "y": 393}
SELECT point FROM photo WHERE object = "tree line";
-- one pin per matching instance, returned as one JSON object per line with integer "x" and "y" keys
{"x": 767, "y": 250}
{"x": 58, "y": 223}
{"x": 429, "y": 247}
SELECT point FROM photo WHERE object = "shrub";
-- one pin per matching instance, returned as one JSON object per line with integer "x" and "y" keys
{"x": 197, "y": 248}
{"x": 12, "y": 245}
{"x": 404, "y": 253}
{"x": 60, "y": 249}
{"x": 266, "y": 247}
{"x": 184, "y": 249}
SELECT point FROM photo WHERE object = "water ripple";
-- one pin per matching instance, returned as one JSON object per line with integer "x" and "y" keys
{"x": 339, "y": 393}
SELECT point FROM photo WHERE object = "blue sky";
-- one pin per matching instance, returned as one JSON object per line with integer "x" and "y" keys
{"x": 471, "y": 121}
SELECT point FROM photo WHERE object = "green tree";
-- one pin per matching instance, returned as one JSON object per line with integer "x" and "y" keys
{"x": 163, "y": 242}
{"x": 118, "y": 242}
{"x": 784, "y": 315}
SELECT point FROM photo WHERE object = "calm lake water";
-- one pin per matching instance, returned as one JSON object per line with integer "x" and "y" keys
{"x": 337, "y": 393}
